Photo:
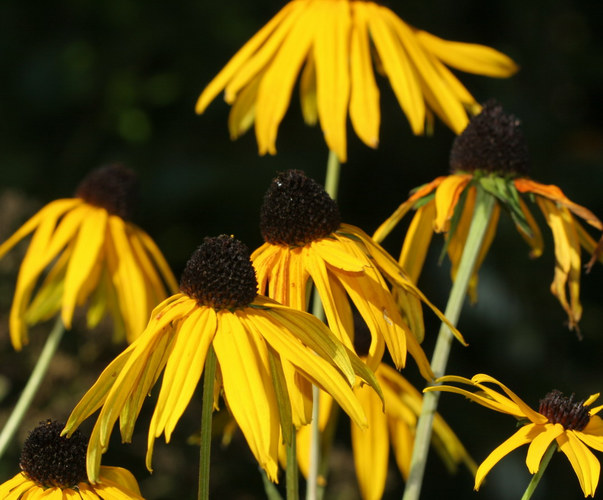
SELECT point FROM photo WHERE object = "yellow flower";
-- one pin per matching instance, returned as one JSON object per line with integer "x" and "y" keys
{"x": 256, "y": 341}
{"x": 391, "y": 422}
{"x": 305, "y": 240}
{"x": 573, "y": 426}
{"x": 337, "y": 42}
{"x": 491, "y": 155}
{"x": 54, "y": 467}
{"x": 93, "y": 255}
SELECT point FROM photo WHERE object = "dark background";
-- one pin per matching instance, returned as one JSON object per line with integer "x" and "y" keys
{"x": 86, "y": 83}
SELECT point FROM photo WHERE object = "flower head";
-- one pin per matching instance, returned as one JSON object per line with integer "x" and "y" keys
{"x": 574, "y": 425}
{"x": 53, "y": 466}
{"x": 93, "y": 255}
{"x": 491, "y": 155}
{"x": 304, "y": 239}
{"x": 391, "y": 424}
{"x": 256, "y": 341}
{"x": 337, "y": 42}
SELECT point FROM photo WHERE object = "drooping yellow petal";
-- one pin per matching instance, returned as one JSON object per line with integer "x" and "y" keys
{"x": 468, "y": 57}
{"x": 417, "y": 240}
{"x": 540, "y": 444}
{"x": 331, "y": 54}
{"x": 157, "y": 256}
{"x": 585, "y": 464}
{"x": 435, "y": 90}
{"x": 120, "y": 476}
{"x": 446, "y": 198}
{"x": 241, "y": 57}
{"x": 364, "y": 93}
{"x": 183, "y": 370}
{"x": 524, "y": 435}
{"x": 371, "y": 446}
{"x": 331, "y": 251}
{"x": 84, "y": 258}
{"x": 535, "y": 239}
{"x": 397, "y": 67}
{"x": 307, "y": 91}
{"x": 248, "y": 389}
{"x": 242, "y": 113}
{"x": 275, "y": 88}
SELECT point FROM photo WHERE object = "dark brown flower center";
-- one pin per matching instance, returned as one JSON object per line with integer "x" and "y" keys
{"x": 112, "y": 187}
{"x": 297, "y": 210}
{"x": 219, "y": 274}
{"x": 562, "y": 410}
{"x": 492, "y": 142}
{"x": 52, "y": 460}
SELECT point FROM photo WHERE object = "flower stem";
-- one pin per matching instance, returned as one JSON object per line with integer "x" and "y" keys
{"x": 33, "y": 384}
{"x": 484, "y": 205}
{"x": 331, "y": 187}
{"x": 543, "y": 465}
{"x": 207, "y": 408}
{"x": 291, "y": 469}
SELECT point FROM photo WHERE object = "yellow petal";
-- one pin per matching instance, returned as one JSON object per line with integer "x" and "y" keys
{"x": 364, "y": 93}
{"x": 332, "y": 252}
{"x": 307, "y": 91}
{"x": 241, "y": 57}
{"x": 275, "y": 88}
{"x": 371, "y": 446}
{"x": 397, "y": 66}
{"x": 242, "y": 113}
{"x": 248, "y": 389}
{"x": 469, "y": 57}
{"x": 535, "y": 239}
{"x": 84, "y": 258}
{"x": 446, "y": 198}
{"x": 585, "y": 464}
{"x": 524, "y": 435}
{"x": 540, "y": 444}
{"x": 120, "y": 476}
{"x": 417, "y": 240}
{"x": 157, "y": 256}
{"x": 331, "y": 54}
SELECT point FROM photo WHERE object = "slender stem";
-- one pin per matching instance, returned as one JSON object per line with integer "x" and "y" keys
{"x": 484, "y": 205}
{"x": 33, "y": 384}
{"x": 206, "y": 417}
{"x": 291, "y": 469}
{"x": 331, "y": 187}
{"x": 543, "y": 465}
{"x": 270, "y": 488}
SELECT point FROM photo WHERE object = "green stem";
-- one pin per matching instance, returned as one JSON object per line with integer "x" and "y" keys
{"x": 331, "y": 187}
{"x": 291, "y": 469}
{"x": 207, "y": 409}
{"x": 484, "y": 204}
{"x": 33, "y": 384}
{"x": 543, "y": 465}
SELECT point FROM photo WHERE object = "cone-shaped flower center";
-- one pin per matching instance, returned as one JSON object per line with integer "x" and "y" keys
{"x": 297, "y": 210}
{"x": 219, "y": 274}
{"x": 493, "y": 142}
{"x": 565, "y": 411}
{"x": 111, "y": 187}
{"x": 52, "y": 460}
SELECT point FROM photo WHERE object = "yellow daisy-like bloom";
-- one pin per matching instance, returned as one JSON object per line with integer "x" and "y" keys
{"x": 306, "y": 240}
{"x": 573, "y": 425}
{"x": 54, "y": 467}
{"x": 94, "y": 255}
{"x": 392, "y": 422}
{"x": 337, "y": 42}
{"x": 256, "y": 341}
{"x": 491, "y": 155}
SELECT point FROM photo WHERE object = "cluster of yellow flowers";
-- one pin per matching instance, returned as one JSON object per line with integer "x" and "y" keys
{"x": 241, "y": 319}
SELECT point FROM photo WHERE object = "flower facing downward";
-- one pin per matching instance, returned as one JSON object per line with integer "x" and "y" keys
{"x": 491, "y": 155}
{"x": 55, "y": 467}
{"x": 338, "y": 42}
{"x": 573, "y": 425}
{"x": 256, "y": 341}
{"x": 305, "y": 239}
{"x": 93, "y": 255}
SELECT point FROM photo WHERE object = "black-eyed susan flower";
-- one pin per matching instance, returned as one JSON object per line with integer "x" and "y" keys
{"x": 54, "y": 467}
{"x": 573, "y": 425}
{"x": 391, "y": 424}
{"x": 337, "y": 42}
{"x": 305, "y": 242}
{"x": 219, "y": 306}
{"x": 491, "y": 155}
{"x": 93, "y": 255}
